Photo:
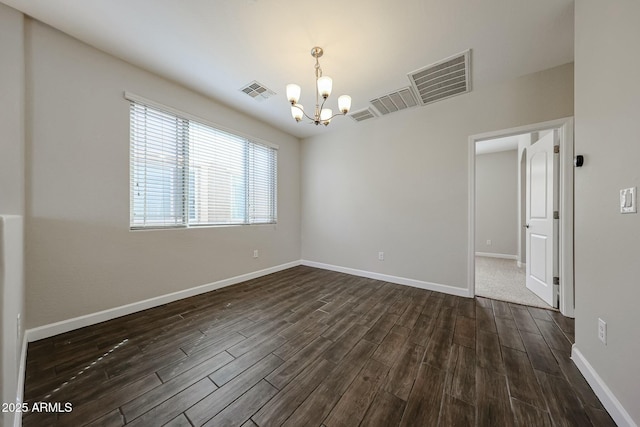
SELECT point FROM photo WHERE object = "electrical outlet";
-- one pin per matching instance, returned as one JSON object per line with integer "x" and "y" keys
{"x": 255, "y": 253}
{"x": 380, "y": 256}
{"x": 602, "y": 331}
{"x": 488, "y": 242}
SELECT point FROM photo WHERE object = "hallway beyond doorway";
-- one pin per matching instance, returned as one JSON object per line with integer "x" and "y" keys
{"x": 502, "y": 279}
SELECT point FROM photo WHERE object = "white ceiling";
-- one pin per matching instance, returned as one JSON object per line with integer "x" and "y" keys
{"x": 216, "y": 47}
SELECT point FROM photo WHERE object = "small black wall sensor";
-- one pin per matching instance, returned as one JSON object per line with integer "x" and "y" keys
{"x": 578, "y": 161}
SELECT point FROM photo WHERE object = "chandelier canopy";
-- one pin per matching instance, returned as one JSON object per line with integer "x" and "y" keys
{"x": 324, "y": 84}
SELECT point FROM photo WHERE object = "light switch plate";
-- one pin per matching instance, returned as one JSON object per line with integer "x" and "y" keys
{"x": 628, "y": 199}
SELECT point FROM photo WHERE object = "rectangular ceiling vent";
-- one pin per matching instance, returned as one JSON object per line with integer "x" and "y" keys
{"x": 362, "y": 115}
{"x": 443, "y": 79}
{"x": 257, "y": 91}
{"x": 395, "y": 101}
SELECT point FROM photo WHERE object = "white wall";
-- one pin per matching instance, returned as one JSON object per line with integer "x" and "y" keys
{"x": 399, "y": 183}
{"x": 497, "y": 203}
{"x": 80, "y": 255}
{"x": 11, "y": 111}
{"x": 607, "y": 243}
{"x": 12, "y": 199}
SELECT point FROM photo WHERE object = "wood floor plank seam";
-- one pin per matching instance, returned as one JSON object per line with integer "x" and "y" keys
{"x": 307, "y": 346}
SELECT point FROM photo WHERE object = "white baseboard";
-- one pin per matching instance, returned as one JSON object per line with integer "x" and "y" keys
{"x": 61, "y": 327}
{"x": 522, "y": 264}
{"x": 606, "y": 396}
{"x": 452, "y": 290}
{"x": 501, "y": 256}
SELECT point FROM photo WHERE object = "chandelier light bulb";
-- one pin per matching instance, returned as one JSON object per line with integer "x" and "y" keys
{"x": 293, "y": 93}
{"x": 324, "y": 86}
{"x": 344, "y": 103}
{"x": 297, "y": 111}
{"x": 325, "y": 114}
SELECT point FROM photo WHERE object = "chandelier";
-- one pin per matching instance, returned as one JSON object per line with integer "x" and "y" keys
{"x": 321, "y": 115}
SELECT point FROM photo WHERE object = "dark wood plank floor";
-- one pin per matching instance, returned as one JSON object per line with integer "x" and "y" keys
{"x": 308, "y": 347}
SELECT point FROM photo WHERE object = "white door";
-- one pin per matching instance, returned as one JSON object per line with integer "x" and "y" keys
{"x": 541, "y": 202}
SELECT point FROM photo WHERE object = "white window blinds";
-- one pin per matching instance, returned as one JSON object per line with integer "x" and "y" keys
{"x": 185, "y": 173}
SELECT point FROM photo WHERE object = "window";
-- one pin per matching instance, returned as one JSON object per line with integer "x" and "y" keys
{"x": 185, "y": 173}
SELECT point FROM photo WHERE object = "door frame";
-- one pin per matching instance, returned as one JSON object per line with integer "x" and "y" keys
{"x": 566, "y": 273}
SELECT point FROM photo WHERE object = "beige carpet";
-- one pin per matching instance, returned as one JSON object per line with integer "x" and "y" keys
{"x": 502, "y": 279}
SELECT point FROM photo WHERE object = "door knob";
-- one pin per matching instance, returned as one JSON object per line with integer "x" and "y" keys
{"x": 526, "y": 225}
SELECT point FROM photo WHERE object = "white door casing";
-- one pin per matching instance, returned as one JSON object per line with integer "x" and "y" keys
{"x": 564, "y": 127}
{"x": 542, "y": 235}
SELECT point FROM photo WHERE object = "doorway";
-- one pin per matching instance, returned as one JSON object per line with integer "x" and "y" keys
{"x": 500, "y": 256}
{"x": 498, "y": 239}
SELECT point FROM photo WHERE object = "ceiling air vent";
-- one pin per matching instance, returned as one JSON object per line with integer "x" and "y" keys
{"x": 361, "y": 115}
{"x": 443, "y": 79}
{"x": 257, "y": 91}
{"x": 395, "y": 101}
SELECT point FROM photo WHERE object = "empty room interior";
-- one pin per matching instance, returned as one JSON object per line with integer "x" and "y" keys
{"x": 261, "y": 213}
